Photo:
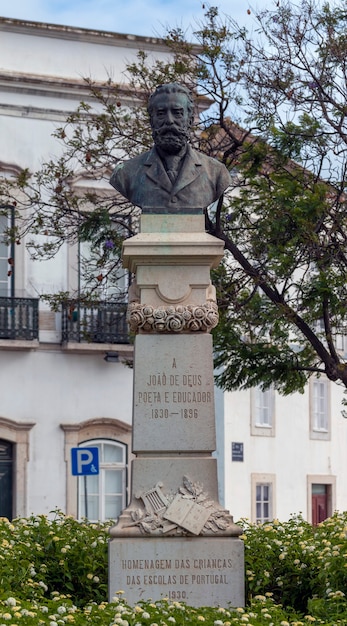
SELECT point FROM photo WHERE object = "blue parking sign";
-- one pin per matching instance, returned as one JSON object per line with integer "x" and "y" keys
{"x": 85, "y": 461}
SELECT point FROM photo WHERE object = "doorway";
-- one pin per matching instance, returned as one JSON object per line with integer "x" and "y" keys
{"x": 6, "y": 478}
{"x": 320, "y": 503}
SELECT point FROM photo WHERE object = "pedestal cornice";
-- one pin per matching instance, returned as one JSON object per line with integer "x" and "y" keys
{"x": 194, "y": 248}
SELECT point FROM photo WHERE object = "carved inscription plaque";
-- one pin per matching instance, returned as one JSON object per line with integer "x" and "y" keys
{"x": 183, "y": 569}
{"x": 173, "y": 394}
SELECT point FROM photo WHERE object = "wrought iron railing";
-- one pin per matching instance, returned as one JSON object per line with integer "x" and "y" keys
{"x": 100, "y": 322}
{"x": 19, "y": 318}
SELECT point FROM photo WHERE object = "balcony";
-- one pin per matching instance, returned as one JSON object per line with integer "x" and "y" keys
{"x": 99, "y": 322}
{"x": 19, "y": 318}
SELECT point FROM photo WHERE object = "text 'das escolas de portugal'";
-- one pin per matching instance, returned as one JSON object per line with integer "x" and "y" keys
{"x": 181, "y": 573}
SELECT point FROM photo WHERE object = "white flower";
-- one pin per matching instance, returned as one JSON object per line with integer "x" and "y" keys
{"x": 61, "y": 610}
{"x": 44, "y": 586}
{"x": 11, "y": 601}
{"x": 145, "y": 615}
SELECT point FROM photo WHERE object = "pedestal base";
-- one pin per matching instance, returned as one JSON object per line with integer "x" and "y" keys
{"x": 199, "y": 571}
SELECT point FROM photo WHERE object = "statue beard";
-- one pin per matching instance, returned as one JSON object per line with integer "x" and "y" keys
{"x": 170, "y": 140}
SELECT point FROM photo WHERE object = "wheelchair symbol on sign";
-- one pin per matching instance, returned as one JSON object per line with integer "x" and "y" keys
{"x": 85, "y": 461}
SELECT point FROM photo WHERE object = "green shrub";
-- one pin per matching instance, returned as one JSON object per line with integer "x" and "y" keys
{"x": 40, "y": 556}
{"x": 54, "y": 572}
{"x": 295, "y": 561}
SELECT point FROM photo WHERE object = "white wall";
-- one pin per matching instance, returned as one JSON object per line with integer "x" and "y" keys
{"x": 73, "y": 53}
{"x": 291, "y": 455}
{"x": 41, "y": 80}
{"x": 50, "y": 388}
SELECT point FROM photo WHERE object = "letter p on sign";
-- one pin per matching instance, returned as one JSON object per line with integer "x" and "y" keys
{"x": 84, "y": 461}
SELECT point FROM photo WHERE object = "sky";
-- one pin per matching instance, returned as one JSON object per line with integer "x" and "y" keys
{"x": 136, "y": 17}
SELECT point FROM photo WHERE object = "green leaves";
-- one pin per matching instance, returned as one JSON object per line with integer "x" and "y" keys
{"x": 54, "y": 571}
{"x": 59, "y": 555}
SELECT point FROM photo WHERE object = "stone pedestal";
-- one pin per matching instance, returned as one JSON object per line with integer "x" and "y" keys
{"x": 174, "y": 539}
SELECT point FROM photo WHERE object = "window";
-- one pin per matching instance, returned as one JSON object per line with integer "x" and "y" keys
{"x": 115, "y": 283}
{"x": 103, "y": 496}
{"x": 263, "y": 411}
{"x": 320, "y": 410}
{"x": 6, "y": 254}
{"x": 263, "y": 497}
{"x": 112, "y": 281}
{"x": 320, "y": 405}
{"x": 99, "y": 430}
{"x": 341, "y": 341}
{"x": 263, "y": 502}
{"x": 263, "y": 407}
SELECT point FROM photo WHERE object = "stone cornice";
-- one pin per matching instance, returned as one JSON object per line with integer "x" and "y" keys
{"x": 16, "y": 426}
{"x": 53, "y": 86}
{"x": 97, "y": 422}
{"x": 59, "y": 31}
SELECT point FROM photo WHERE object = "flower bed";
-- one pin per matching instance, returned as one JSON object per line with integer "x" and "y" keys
{"x": 54, "y": 571}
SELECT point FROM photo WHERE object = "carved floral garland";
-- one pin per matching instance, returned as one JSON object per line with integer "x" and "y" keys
{"x": 176, "y": 319}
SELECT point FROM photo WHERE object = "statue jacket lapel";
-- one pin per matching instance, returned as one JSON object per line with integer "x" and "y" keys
{"x": 189, "y": 171}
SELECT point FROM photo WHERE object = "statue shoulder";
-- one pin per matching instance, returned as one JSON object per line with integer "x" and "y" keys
{"x": 126, "y": 171}
{"x": 215, "y": 171}
{"x": 133, "y": 163}
{"x": 207, "y": 161}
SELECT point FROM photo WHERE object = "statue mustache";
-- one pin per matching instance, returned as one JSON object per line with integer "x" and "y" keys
{"x": 174, "y": 130}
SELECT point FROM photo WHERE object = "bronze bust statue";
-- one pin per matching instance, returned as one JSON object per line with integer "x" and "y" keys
{"x": 172, "y": 177}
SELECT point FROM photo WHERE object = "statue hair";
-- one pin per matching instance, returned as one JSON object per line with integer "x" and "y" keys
{"x": 172, "y": 88}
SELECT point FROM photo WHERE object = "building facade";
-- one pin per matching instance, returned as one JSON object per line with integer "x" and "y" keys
{"x": 57, "y": 390}
{"x": 283, "y": 455}
{"x": 277, "y": 455}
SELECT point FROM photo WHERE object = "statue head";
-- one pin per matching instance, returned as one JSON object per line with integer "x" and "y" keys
{"x": 171, "y": 111}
